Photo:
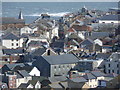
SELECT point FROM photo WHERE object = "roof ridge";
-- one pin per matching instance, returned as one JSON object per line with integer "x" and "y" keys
{"x": 10, "y": 34}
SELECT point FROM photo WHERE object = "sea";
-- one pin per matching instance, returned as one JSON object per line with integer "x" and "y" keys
{"x": 33, "y": 10}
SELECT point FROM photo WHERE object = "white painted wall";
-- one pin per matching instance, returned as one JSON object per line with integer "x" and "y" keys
{"x": 81, "y": 35}
{"x": 30, "y": 86}
{"x": 22, "y": 80}
{"x": 8, "y": 43}
{"x": 98, "y": 41}
{"x": 104, "y": 50}
{"x": 38, "y": 85}
{"x": 27, "y": 30}
{"x": 54, "y": 32}
{"x": 37, "y": 39}
{"x": 35, "y": 72}
{"x": 93, "y": 83}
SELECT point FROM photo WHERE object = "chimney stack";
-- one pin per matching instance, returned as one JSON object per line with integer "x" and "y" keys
{"x": 70, "y": 75}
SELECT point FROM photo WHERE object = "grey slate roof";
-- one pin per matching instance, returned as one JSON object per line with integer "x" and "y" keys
{"x": 33, "y": 82}
{"x": 64, "y": 84}
{"x": 23, "y": 85}
{"x": 57, "y": 79}
{"x": 10, "y": 20}
{"x": 39, "y": 78}
{"x": 34, "y": 43}
{"x": 12, "y": 66}
{"x": 98, "y": 73}
{"x": 24, "y": 73}
{"x": 18, "y": 75}
{"x": 110, "y": 17}
{"x": 38, "y": 52}
{"x": 87, "y": 42}
{"x": 61, "y": 59}
{"x": 96, "y": 35}
{"x": 56, "y": 85}
{"x": 112, "y": 75}
{"x": 60, "y": 78}
{"x": 79, "y": 79}
{"x": 52, "y": 79}
{"x": 89, "y": 76}
{"x": 58, "y": 44}
{"x": 23, "y": 36}
{"x": 103, "y": 55}
{"x": 13, "y": 51}
{"x": 10, "y": 36}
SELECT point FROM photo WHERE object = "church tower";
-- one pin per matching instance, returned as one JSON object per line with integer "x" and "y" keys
{"x": 20, "y": 15}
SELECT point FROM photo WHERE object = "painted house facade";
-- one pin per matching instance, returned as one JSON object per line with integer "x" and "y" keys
{"x": 12, "y": 41}
{"x": 28, "y": 30}
{"x": 112, "y": 65}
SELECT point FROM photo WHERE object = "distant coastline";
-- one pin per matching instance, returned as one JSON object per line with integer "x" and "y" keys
{"x": 33, "y": 10}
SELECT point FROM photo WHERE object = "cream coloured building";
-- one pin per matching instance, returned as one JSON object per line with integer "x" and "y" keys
{"x": 12, "y": 41}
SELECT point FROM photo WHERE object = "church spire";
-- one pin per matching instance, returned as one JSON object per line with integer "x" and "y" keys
{"x": 20, "y": 15}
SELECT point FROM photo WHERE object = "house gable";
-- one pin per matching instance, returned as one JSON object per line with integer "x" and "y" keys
{"x": 30, "y": 86}
{"x": 34, "y": 72}
{"x": 38, "y": 85}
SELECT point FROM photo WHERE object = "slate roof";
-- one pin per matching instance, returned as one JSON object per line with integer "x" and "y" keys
{"x": 79, "y": 79}
{"x": 61, "y": 59}
{"x": 38, "y": 52}
{"x": 89, "y": 76}
{"x": 98, "y": 73}
{"x": 10, "y": 36}
{"x": 10, "y": 20}
{"x": 23, "y": 85}
{"x": 60, "y": 78}
{"x": 13, "y": 51}
{"x": 23, "y": 73}
{"x": 34, "y": 43}
{"x": 64, "y": 84}
{"x": 52, "y": 79}
{"x": 57, "y": 79}
{"x": 56, "y": 85}
{"x": 96, "y": 35}
{"x": 33, "y": 82}
{"x": 58, "y": 44}
{"x": 40, "y": 78}
{"x": 23, "y": 36}
{"x": 12, "y": 66}
{"x": 27, "y": 68}
{"x": 103, "y": 55}
{"x": 87, "y": 42}
{"x": 115, "y": 56}
{"x": 110, "y": 17}
{"x": 112, "y": 75}
{"x": 18, "y": 75}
